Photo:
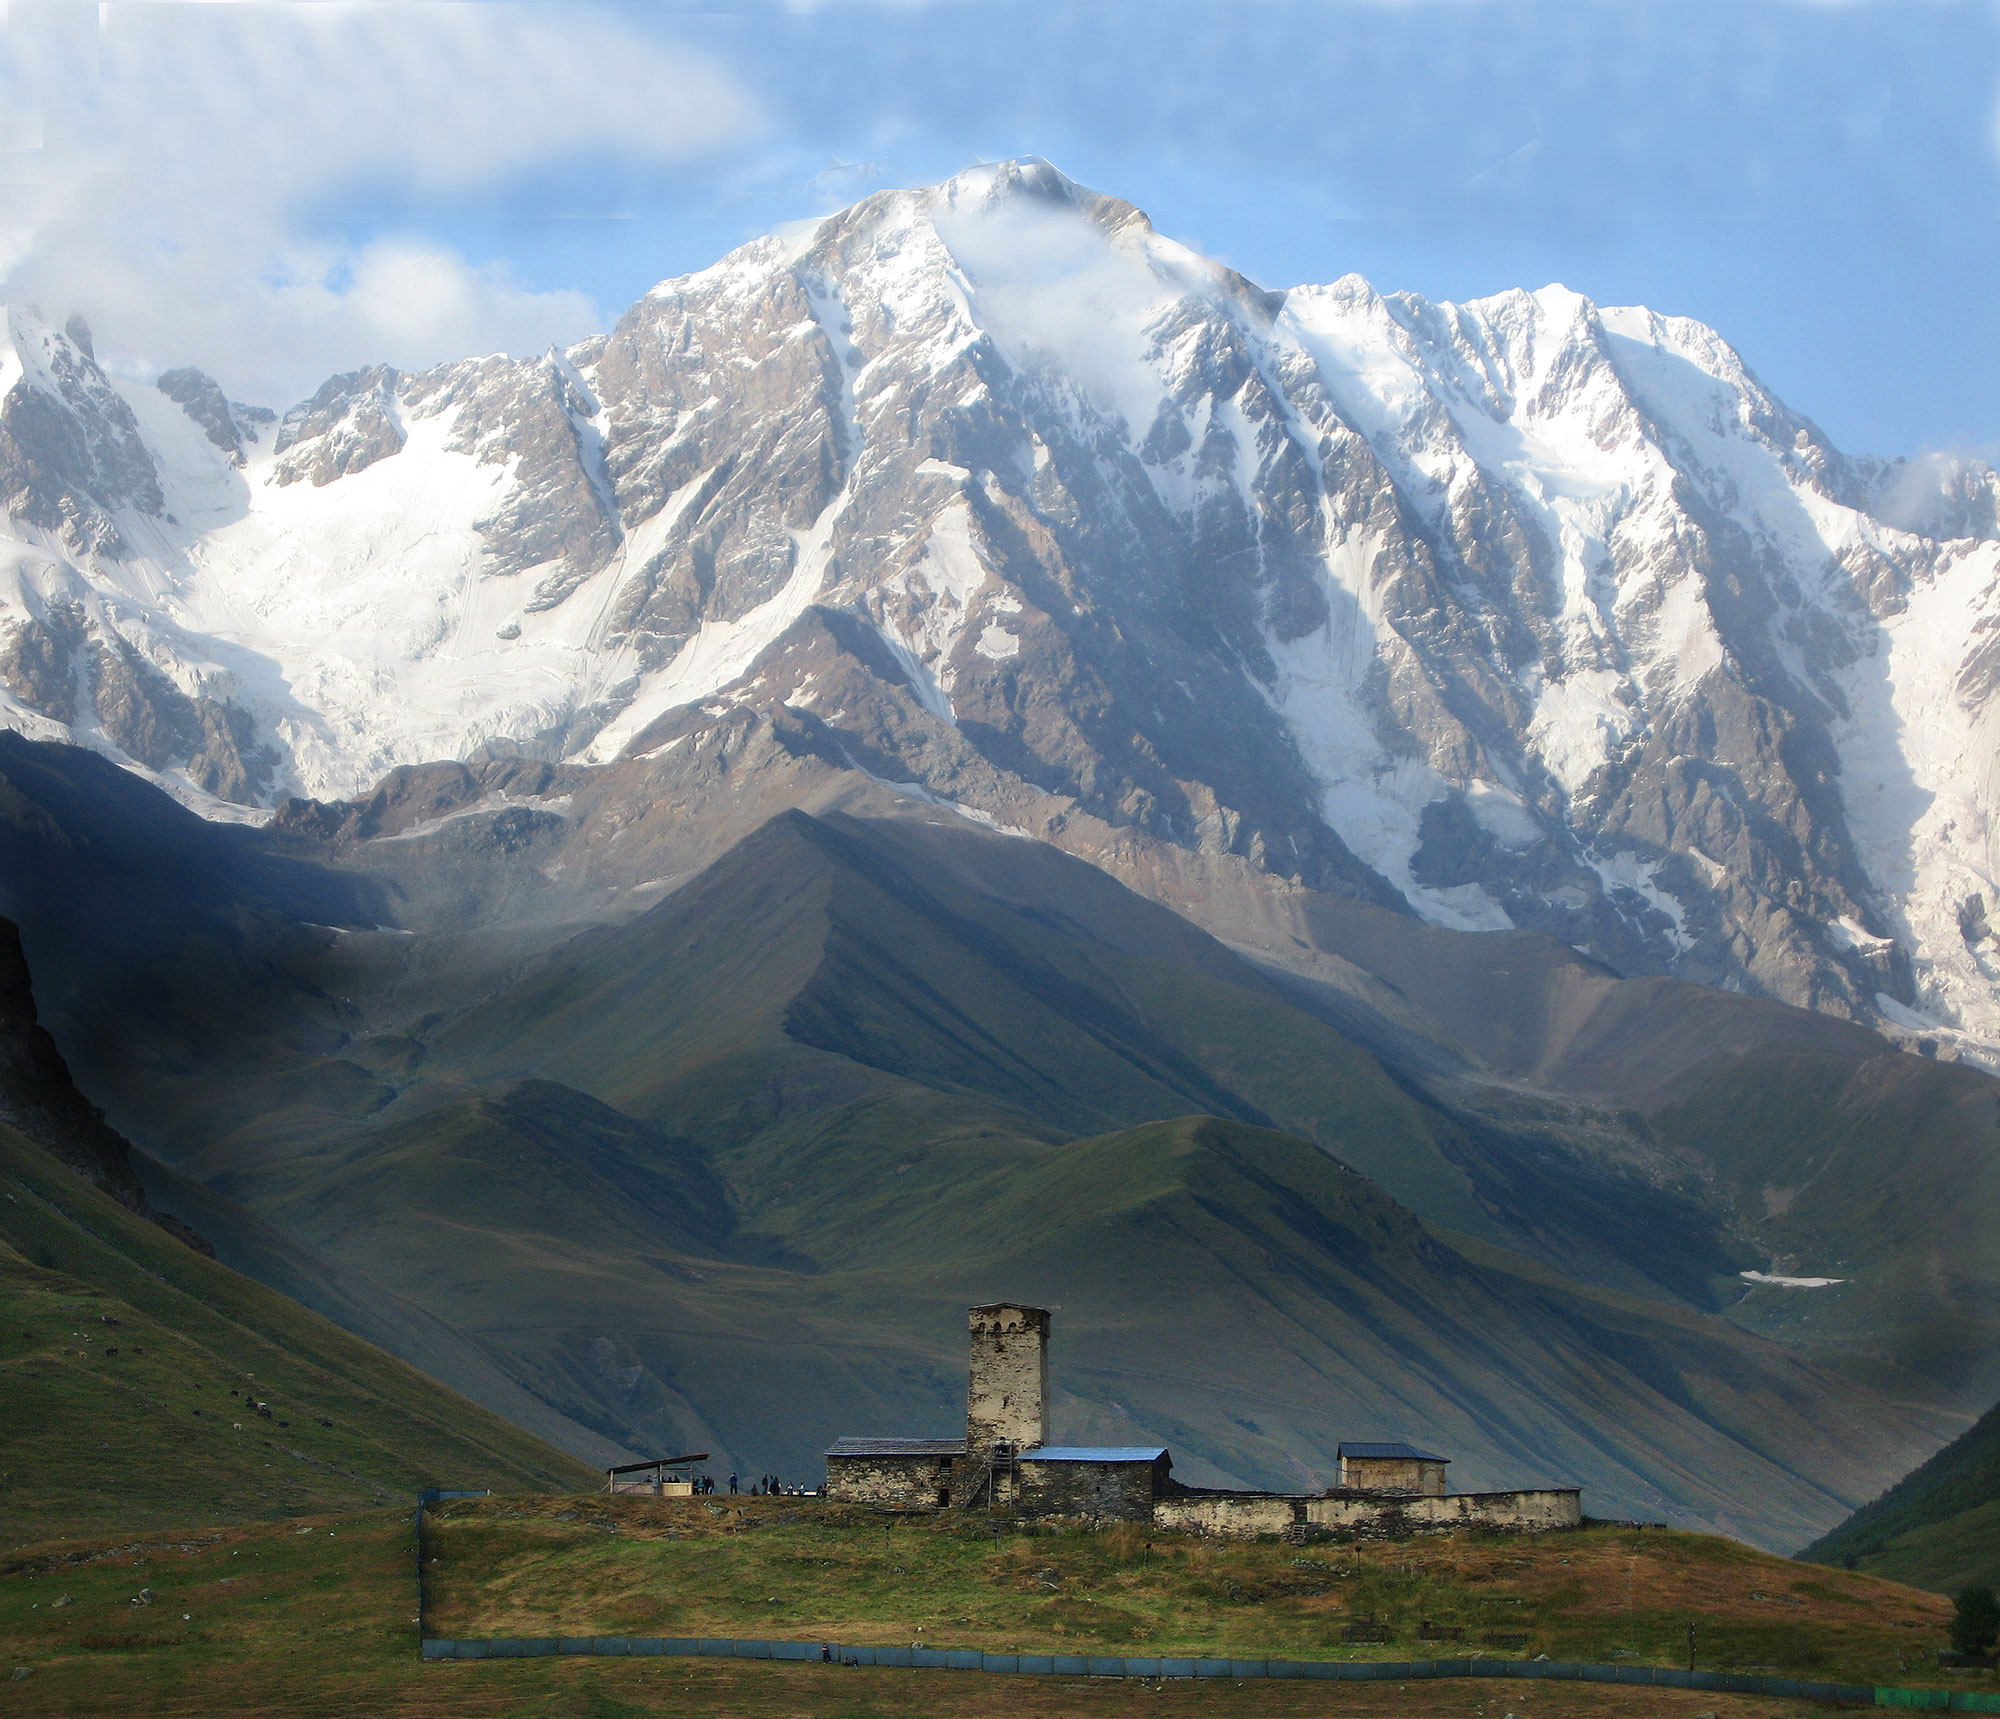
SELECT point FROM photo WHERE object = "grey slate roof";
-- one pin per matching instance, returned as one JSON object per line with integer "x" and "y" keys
{"x": 1094, "y": 1453}
{"x": 897, "y": 1447}
{"x": 1391, "y": 1452}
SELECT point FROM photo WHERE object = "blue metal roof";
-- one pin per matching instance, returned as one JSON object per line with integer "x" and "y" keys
{"x": 1094, "y": 1453}
{"x": 1390, "y": 1452}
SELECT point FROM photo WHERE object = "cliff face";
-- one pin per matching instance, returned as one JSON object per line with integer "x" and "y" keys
{"x": 38, "y": 1097}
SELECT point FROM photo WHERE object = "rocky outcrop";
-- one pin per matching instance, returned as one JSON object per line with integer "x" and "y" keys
{"x": 352, "y": 422}
{"x": 71, "y": 453}
{"x": 61, "y": 662}
{"x": 558, "y": 516}
{"x": 228, "y": 425}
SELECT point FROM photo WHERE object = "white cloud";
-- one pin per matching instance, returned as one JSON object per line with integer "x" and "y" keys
{"x": 183, "y": 149}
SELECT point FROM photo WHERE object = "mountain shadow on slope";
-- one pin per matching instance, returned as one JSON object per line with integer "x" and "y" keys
{"x": 40, "y": 1101}
{"x": 156, "y": 935}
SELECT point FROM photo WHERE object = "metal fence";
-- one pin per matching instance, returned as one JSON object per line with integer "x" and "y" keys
{"x": 1100, "y": 1665}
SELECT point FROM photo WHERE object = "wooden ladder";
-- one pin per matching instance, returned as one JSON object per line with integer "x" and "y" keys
{"x": 1000, "y": 1460}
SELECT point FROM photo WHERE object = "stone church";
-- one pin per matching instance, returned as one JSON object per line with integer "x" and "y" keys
{"x": 1006, "y": 1463}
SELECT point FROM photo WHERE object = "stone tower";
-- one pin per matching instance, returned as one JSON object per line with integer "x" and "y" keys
{"x": 1008, "y": 1395}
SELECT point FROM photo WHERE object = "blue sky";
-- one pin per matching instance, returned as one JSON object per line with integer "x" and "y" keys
{"x": 1819, "y": 181}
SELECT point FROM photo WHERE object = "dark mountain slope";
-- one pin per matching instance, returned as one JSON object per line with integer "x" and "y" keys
{"x": 1006, "y": 972}
{"x": 883, "y": 1064}
{"x": 133, "y": 1364}
{"x": 1484, "y": 1029}
{"x": 359, "y": 1304}
{"x": 856, "y": 940}
{"x": 156, "y": 935}
{"x": 1938, "y": 1527}
{"x": 1161, "y": 1227}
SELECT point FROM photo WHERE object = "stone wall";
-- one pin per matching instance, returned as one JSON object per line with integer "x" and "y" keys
{"x": 1008, "y": 1393}
{"x": 1245, "y": 1515}
{"x": 1119, "y": 1491}
{"x": 1234, "y": 1515}
{"x": 1530, "y": 1511}
{"x": 897, "y": 1482}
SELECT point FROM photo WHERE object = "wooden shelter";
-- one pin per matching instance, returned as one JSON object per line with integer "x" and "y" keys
{"x": 663, "y": 1477}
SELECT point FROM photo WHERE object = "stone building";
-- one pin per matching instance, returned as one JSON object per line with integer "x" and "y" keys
{"x": 1007, "y": 1385}
{"x": 1396, "y": 1468}
{"x": 899, "y": 1473}
{"x": 1005, "y": 1462}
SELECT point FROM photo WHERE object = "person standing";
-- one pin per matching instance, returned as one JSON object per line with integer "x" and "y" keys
{"x": 732, "y": 1486}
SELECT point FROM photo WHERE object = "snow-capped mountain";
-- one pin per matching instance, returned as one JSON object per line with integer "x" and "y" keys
{"x": 1523, "y": 611}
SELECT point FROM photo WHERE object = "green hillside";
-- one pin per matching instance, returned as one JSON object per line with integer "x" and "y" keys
{"x": 1231, "y": 1290}
{"x": 133, "y": 1374}
{"x": 1939, "y": 1527}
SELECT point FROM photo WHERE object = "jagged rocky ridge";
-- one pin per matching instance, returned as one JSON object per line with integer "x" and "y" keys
{"x": 1522, "y": 612}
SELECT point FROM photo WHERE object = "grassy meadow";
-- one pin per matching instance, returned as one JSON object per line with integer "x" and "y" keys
{"x": 779, "y": 1568}
{"x": 316, "y": 1617}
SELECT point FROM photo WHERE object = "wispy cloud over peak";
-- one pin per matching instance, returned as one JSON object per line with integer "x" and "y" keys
{"x": 170, "y": 160}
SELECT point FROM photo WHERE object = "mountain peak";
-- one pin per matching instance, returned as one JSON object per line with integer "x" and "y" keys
{"x": 1026, "y": 176}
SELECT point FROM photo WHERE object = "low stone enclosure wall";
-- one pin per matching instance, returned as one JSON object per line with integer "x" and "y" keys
{"x": 1094, "y": 1665}
{"x": 1362, "y": 1516}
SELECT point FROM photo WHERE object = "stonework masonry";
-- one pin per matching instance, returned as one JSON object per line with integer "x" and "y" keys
{"x": 894, "y": 1473}
{"x": 1369, "y": 1516}
{"x": 1008, "y": 1394}
{"x": 1390, "y": 1468}
{"x": 920, "y": 1483}
{"x": 1105, "y": 1491}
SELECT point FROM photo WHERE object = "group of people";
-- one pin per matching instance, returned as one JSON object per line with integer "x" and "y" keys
{"x": 767, "y": 1486}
